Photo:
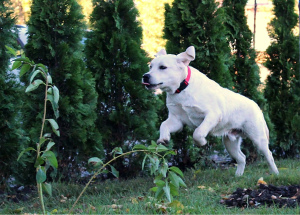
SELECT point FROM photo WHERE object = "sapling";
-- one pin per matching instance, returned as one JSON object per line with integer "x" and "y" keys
{"x": 168, "y": 180}
{"x": 44, "y": 156}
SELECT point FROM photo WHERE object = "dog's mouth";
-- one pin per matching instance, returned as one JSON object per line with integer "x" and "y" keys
{"x": 152, "y": 86}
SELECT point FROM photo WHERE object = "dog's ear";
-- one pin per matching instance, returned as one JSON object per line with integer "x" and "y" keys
{"x": 187, "y": 56}
{"x": 161, "y": 52}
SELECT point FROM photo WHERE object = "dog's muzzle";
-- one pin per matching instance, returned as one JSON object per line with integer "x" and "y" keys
{"x": 146, "y": 82}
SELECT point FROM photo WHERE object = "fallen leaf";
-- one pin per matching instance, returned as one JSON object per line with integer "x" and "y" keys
{"x": 176, "y": 204}
{"x": 133, "y": 200}
{"x": 92, "y": 207}
{"x": 141, "y": 198}
{"x": 261, "y": 181}
{"x": 211, "y": 189}
{"x": 201, "y": 187}
{"x": 18, "y": 210}
{"x": 53, "y": 211}
{"x": 114, "y": 206}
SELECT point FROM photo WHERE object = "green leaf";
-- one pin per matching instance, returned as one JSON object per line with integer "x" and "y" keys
{"x": 42, "y": 140}
{"x": 166, "y": 189}
{"x": 174, "y": 190}
{"x": 53, "y": 103}
{"x": 143, "y": 164}
{"x": 54, "y": 126}
{"x": 34, "y": 85}
{"x": 25, "y": 68}
{"x": 181, "y": 182}
{"x": 154, "y": 163}
{"x": 160, "y": 183}
{"x": 25, "y": 150}
{"x": 49, "y": 145}
{"x": 114, "y": 171}
{"x": 55, "y": 94}
{"x": 159, "y": 192}
{"x": 176, "y": 170}
{"x": 16, "y": 65}
{"x": 40, "y": 176}
{"x": 153, "y": 143}
{"x": 23, "y": 59}
{"x": 49, "y": 78}
{"x": 174, "y": 178}
{"x": 95, "y": 161}
{"x": 152, "y": 148}
{"x": 47, "y": 187}
{"x": 51, "y": 158}
{"x": 161, "y": 148}
{"x": 34, "y": 74}
{"x": 139, "y": 147}
{"x": 42, "y": 67}
{"x": 39, "y": 161}
{"x": 11, "y": 50}
{"x": 47, "y": 135}
{"x": 117, "y": 150}
{"x": 154, "y": 189}
{"x": 164, "y": 168}
{"x": 170, "y": 152}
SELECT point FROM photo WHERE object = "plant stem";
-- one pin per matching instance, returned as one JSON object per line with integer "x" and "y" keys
{"x": 40, "y": 190}
{"x": 96, "y": 173}
{"x": 45, "y": 108}
{"x": 39, "y": 185}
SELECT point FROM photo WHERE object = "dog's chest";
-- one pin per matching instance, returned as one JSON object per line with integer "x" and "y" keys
{"x": 190, "y": 115}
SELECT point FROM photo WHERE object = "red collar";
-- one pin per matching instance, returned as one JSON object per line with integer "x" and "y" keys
{"x": 185, "y": 82}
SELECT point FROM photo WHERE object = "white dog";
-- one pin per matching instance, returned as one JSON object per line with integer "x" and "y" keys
{"x": 202, "y": 104}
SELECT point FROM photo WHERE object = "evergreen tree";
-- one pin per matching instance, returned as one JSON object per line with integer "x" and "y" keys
{"x": 126, "y": 110}
{"x": 56, "y": 29}
{"x": 244, "y": 70}
{"x": 283, "y": 86}
{"x": 10, "y": 141}
{"x": 198, "y": 23}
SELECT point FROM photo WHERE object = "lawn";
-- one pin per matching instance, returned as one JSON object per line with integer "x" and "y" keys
{"x": 205, "y": 189}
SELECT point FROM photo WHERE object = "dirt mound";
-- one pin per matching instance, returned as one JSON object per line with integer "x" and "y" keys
{"x": 282, "y": 196}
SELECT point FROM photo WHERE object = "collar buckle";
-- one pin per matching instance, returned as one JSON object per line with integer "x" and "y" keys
{"x": 185, "y": 82}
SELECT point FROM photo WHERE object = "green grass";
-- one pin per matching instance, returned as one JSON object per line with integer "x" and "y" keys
{"x": 133, "y": 196}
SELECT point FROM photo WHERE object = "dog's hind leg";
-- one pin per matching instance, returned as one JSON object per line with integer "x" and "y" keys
{"x": 262, "y": 144}
{"x": 233, "y": 147}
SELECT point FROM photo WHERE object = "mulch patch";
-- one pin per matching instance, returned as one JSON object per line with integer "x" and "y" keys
{"x": 18, "y": 193}
{"x": 282, "y": 196}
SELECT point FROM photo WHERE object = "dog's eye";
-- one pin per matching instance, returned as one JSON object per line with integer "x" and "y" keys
{"x": 150, "y": 67}
{"x": 162, "y": 67}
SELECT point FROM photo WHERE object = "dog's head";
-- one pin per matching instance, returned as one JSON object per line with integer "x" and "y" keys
{"x": 168, "y": 71}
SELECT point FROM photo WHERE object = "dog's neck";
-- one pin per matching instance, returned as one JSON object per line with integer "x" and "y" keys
{"x": 185, "y": 82}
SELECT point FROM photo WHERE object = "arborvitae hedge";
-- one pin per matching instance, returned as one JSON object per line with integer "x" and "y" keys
{"x": 126, "y": 110}
{"x": 56, "y": 31}
{"x": 244, "y": 70}
{"x": 11, "y": 141}
{"x": 283, "y": 85}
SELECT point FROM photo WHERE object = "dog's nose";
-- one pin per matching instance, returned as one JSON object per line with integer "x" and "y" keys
{"x": 146, "y": 78}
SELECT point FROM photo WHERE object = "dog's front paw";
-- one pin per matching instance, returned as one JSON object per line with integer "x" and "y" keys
{"x": 200, "y": 141}
{"x": 162, "y": 141}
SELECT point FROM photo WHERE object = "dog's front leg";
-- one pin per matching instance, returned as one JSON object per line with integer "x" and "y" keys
{"x": 171, "y": 125}
{"x": 209, "y": 122}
